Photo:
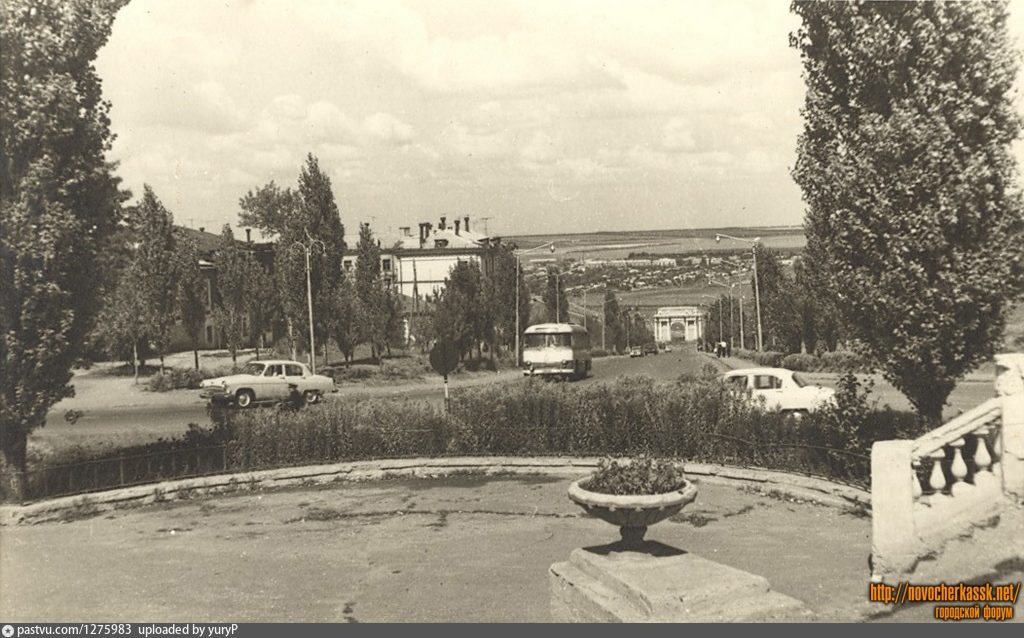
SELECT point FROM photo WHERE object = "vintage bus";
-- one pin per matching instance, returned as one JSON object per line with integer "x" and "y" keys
{"x": 556, "y": 350}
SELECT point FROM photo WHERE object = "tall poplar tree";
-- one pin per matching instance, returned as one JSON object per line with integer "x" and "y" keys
{"x": 59, "y": 203}
{"x": 906, "y": 168}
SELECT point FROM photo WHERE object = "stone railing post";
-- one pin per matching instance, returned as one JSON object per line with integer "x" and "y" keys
{"x": 1010, "y": 388}
{"x": 893, "y": 536}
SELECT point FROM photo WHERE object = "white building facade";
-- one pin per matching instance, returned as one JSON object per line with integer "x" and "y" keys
{"x": 674, "y": 323}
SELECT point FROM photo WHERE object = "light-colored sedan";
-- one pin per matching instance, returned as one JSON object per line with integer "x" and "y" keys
{"x": 267, "y": 382}
{"x": 779, "y": 388}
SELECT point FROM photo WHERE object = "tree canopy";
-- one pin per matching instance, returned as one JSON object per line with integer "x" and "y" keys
{"x": 906, "y": 168}
{"x": 59, "y": 202}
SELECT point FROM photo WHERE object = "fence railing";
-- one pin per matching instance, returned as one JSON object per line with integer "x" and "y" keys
{"x": 93, "y": 475}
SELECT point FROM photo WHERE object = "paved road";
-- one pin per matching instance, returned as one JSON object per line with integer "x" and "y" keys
{"x": 131, "y": 416}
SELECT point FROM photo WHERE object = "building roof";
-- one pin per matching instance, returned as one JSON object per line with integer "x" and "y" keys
{"x": 680, "y": 311}
{"x": 206, "y": 242}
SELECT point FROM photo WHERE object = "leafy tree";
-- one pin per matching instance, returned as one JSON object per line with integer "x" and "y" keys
{"x": 906, "y": 167}
{"x": 59, "y": 202}
{"x": 615, "y": 337}
{"x": 128, "y": 317}
{"x": 457, "y": 306}
{"x": 369, "y": 291}
{"x": 554, "y": 296}
{"x": 776, "y": 292}
{"x": 500, "y": 294}
{"x": 394, "y": 327}
{"x": 191, "y": 294}
{"x": 262, "y": 300}
{"x": 269, "y": 208}
{"x": 158, "y": 264}
{"x": 232, "y": 304}
{"x": 315, "y": 219}
{"x": 346, "y": 319}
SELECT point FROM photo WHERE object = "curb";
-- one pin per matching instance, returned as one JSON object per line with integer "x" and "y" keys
{"x": 770, "y": 482}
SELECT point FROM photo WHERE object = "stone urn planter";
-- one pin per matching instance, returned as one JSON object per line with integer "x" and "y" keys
{"x": 633, "y": 513}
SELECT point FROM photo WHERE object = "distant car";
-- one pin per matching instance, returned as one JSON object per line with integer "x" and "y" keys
{"x": 779, "y": 388}
{"x": 636, "y": 351}
{"x": 267, "y": 382}
{"x": 651, "y": 348}
{"x": 668, "y": 348}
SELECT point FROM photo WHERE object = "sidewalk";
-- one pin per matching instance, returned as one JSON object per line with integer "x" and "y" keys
{"x": 459, "y": 549}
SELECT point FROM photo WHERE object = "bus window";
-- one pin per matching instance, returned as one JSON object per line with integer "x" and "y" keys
{"x": 548, "y": 340}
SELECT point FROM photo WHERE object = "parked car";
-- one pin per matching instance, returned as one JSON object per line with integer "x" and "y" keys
{"x": 779, "y": 388}
{"x": 651, "y": 348}
{"x": 267, "y": 382}
{"x": 636, "y": 351}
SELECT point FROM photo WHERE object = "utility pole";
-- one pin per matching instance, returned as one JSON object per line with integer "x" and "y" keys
{"x": 307, "y": 247}
{"x": 743, "y": 344}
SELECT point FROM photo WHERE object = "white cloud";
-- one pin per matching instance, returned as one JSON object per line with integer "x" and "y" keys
{"x": 678, "y": 135}
{"x": 389, "y": 128}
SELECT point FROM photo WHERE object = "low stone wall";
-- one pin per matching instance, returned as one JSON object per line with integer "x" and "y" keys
{"x": 806, "y": 488}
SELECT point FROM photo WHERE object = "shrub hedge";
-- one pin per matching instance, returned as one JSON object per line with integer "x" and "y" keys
{"x": 694, "y": 418}
{"x": 176, "y": 379}
{"x": 838, "y": 361}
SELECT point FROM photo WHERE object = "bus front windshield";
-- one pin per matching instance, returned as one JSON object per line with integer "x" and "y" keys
{"x": 549, "y": 341}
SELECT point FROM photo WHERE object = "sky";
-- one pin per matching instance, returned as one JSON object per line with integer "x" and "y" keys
{"x": 542, "y": 116}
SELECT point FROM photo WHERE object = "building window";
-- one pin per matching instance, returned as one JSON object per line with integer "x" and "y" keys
{"x": 385, "y": 265}
{"x": 440, "y": 243}
{"x": 347, "y": 265}
{"x": 209, "y": 335}
{"x": 209, "y": 294}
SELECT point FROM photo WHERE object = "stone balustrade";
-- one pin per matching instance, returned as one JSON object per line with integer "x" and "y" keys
{"x": 930, "y": 490}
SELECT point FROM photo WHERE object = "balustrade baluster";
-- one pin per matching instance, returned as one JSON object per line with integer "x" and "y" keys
{"x": 915, "y": 465}
{"x": 981, "y": 456}
{"x": 937, "y": 480}
{"x": 958, "y": 468}
{"x": 997, "y": 451}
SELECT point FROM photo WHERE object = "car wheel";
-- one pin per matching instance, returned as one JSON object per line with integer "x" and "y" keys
{"x": 312, "y": 397}
{"x": 244, "y": 398}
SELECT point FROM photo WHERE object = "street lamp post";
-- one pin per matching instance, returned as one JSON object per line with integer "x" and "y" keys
{"x": 307, "y": 247}
{"x": 757, "y": 293}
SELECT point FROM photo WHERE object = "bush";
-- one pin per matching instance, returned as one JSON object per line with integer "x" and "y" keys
{"x": 769, "y": 359}
{"x": 843, "y": 361}
{"x": 598, "y": 353}
{"x": 175, "y": 379}
{"x": 641, "y": 476}
{"x": 801, "y": 362}
{"x": 695, "y": 418}
{"x": 744, "y": 354}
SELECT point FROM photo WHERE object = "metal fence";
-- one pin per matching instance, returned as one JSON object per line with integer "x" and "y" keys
{"x": 94, "y": 475}
{"x": 203, "y": 460}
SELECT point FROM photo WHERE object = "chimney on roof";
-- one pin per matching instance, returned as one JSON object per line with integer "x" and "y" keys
{"x": 248, "y": 235}
{"x": 406, "y": 231}
{"x": 202, "y": 229}
{"x": 466, "y": 225}
{"x": 441, "y": 225}
{"x": 457, "y": 222}
{"x": 424, "y": 233}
